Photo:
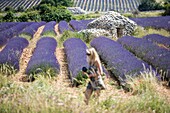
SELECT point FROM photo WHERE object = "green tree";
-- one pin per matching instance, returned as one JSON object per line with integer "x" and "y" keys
{"x": 66, "y": 3}
{"x": 56, "y": 14}
{"x": 167, "y": 10}
{"x": 8, "y": 8}
{"x": 9, "y": 17}
{"x": 147, "y": 5}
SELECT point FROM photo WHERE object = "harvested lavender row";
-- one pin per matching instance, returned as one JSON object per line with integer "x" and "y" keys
{"x": 76, "y": 55}
{"x": 159, "y": 39}
{"x": 156, "y": 22}
{"x": 7, "y": 25}
{"x": 11, "y": 54}
{"x": 44, "y": 57}
{"x": 31, "y": 30}
{"x": 63, "y": 25}
{"x": 49, "y": 29}
{"x": 76, "y": 25}
{"x": 11, "y": 32}
{"x": 120, "y": 61}
{"x": 158, "y": 57}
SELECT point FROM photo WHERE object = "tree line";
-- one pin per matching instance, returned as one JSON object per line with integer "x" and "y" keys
{"x": 47, "y": 10}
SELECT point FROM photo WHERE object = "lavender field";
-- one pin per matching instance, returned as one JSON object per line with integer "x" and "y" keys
{"x": 31, "y": 49}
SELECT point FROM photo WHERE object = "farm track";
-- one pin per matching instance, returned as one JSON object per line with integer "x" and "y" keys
{"x": 27, "y": 53}
{"x": 64, "y": 74}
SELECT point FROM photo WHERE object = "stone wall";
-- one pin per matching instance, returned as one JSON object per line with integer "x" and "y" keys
{"x": 114, "y": 23}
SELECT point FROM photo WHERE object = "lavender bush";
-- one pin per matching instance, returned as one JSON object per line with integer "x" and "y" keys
{"x": 156, "y": 22}
{"x": 7, "y": 25}
{"x": 120, "y": 61}
{"x": 158, "y": 39}
{"x": 43, "y": 58}
{"x": 63, "y": 25}
{"x": 6, "y": 35}
{"x": 76, "y": 56}
{"x": 31, "y": 30}
{"x": 86, "y": 22}
{"x": 11, "y": 54}
{"x": 76, "y": 25}
{"x": 158, "y": 57}
{"x": 49, "y": 29}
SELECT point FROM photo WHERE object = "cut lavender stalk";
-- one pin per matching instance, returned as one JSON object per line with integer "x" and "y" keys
{"x": 11, "y": 54}
{"x": 49, "y": 29}
{"x": 119, "y": 61}
{"x": 76, "y": 56}
{"x": 31, "y": 30}
{"x": 150, "y": 52}
{"x": 63, "y": 25}
{"x": 43, "y": 58}
{"x": 158, "y": 39}
{"x": 6, "y": 35}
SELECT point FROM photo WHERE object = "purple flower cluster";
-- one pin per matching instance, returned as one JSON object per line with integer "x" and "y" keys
{"x": 43, "y": 57}
{"x": 7, "y": 25}
{"x": 63, "y": 25}
{"x": 75, "y": 50}
{"x": 12, "y": 52}
{"x": 86, "y": 22}
{"x": 49, "y": 28}
{"x": 156, "y": 22}
{"x": 30, "y": 30}
{"x": 11, "y": 32}
{"x": 158, "y": 39}
{"x": 120, "y": 61}
{"x": 77, "y": 25}
{"x": 148, "y": 51}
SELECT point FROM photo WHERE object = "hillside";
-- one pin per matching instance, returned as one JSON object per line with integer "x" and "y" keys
{"x": 107, "y": 5}
{"x": 18, "y": 3}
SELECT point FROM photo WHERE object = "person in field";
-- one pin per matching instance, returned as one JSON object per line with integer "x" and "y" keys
{"x": 94, "y": 72}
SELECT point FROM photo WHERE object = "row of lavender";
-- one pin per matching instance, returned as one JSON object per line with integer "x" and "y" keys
{"x": 6, "y": 35}
{"x": 27, "y": 30}
{"x": 119, "y": 61}
{"x": 75, "y": 50}
{"x": 158, "y": 57}
{"x": 43, "y": 59}
{"x": 156, "y": 22}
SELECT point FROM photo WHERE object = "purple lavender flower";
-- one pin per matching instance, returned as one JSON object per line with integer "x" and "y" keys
{"x": 156, "y": 22}
{"x": 63, "y": 25}
{"x": 7, "y": 25}
{"x": 77, "y": 26}
{"x": 120, "y": 61}
{"x": 11, "y": 32}
{"x": 148, "y": 51}
{"x": 31, "y": 30}
{"x": 76, "y": 55}
{"x": 12, "y": 52}
{"x": 158, "y": 39}
{"x": 49, "y": 28}
{"x": 43, "y": 57}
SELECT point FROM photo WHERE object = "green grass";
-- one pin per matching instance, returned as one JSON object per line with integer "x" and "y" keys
{"x": 69, "y": 34}
{"x": 49, "y": 34}
{"x": 27, "y": 36}
{"x": 140, "y": 32}
{"x": 50, "y": 95}
{"x": 7, "y": 69}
